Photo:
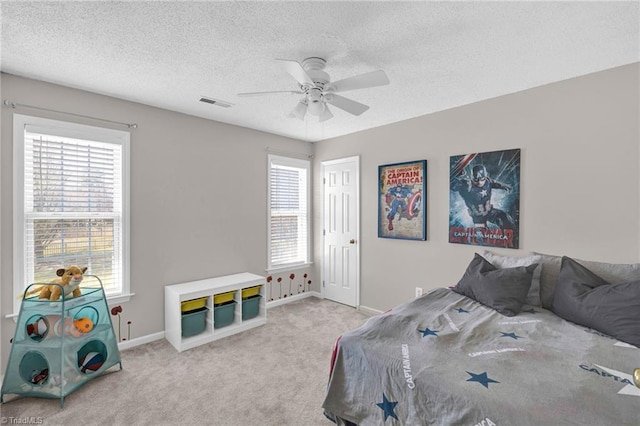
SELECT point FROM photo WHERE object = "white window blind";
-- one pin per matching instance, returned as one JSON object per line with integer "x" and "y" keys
{"x": 74, "y": 203}
{"x": 288, "y": 211}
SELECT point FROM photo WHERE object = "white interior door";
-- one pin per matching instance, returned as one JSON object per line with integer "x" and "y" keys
{"x": 341, "y": 254}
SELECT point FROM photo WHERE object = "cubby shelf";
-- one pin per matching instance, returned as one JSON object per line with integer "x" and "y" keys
{"x": 175, "y": 294}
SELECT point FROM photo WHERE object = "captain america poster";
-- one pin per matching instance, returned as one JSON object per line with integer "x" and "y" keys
{"x": 401, "y": 197}
{"x": 484, "y": 199}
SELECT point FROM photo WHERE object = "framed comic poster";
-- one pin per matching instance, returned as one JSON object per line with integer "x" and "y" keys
{"x": 402, "y": 189}
{"x": 484, "y": 199}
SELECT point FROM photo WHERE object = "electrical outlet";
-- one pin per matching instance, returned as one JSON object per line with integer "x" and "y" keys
{"x": 418, "y": 291}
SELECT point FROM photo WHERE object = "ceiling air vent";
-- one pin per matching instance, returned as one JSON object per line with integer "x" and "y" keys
{"x": 216, "y": 102}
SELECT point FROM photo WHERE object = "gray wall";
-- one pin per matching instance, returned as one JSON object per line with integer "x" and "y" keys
{"x": 580, "y": 187}
{"x": 198, "y": 196}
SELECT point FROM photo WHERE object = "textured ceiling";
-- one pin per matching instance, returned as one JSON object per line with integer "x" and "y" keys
{"x": 437, "y": 55}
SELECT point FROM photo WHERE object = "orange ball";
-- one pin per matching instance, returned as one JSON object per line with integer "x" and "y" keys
{"x": 83, "y": 325}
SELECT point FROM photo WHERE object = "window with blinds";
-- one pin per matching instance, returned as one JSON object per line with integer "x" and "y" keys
{"x": 73, "y": 207}
{"x": 288, "y": 212}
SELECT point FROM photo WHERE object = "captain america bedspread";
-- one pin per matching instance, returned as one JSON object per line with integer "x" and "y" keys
{"x": 445, "y": 359}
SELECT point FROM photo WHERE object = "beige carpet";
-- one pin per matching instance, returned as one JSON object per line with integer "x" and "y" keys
{"x": 271, "y": 375}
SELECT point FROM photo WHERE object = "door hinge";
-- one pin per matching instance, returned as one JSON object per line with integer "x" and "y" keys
{"x": 323, "y": 283}
{"x": 324, "y": 232}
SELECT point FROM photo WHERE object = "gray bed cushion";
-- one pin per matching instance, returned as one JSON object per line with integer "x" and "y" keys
{"x": 611, "y": 272}
{"x": 506, "y": 261}
{"x": 504, "y": 290}
{"x": 585, "y": 298}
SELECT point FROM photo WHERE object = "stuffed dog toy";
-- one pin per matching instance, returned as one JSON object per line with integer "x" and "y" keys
{"x": 69, "y": 278}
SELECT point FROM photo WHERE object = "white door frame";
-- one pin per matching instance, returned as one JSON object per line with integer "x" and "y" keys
{"x": 356, "y": 218}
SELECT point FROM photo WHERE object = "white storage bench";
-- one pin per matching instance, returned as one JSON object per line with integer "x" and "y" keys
{"x": 175, "y": 294}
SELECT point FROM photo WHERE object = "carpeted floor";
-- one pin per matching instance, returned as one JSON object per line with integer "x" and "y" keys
{"x": 271, "y": 375}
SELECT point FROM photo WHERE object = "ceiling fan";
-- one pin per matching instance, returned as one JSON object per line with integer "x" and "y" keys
{"x": 319, "y": 90}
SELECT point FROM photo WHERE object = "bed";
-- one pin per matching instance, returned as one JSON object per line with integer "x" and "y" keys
{"x": 477, "y": 354}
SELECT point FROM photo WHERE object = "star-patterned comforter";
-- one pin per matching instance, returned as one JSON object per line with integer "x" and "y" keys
{"x": 445, "y": 359}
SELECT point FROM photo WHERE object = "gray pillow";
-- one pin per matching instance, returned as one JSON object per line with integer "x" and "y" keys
{"x": 612, "y": 272}
{"x": 505, "y": 261}
{"x": 504, "y": 290}
{"x": 589, "y": 300}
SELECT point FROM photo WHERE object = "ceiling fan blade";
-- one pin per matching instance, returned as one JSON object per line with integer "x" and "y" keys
{"x": 296, "y": 92}
{"x": 362, "y": 81}
{"x": 326, "y": 114}
{"x": 349, "y": 105}
{"x": 297, "y": 72}
{"x": 299, "y": 111}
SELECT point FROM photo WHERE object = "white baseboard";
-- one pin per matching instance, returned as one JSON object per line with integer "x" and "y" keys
{"x": 369, "y": 311}
{"x": 128, "y": 344}
{"x": 290, "y": 299}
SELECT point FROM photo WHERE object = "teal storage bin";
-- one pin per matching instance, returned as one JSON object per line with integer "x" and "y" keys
{"x": 194, "y": 322}
{"x": 251, "y": 307}
{"x": 223, "y": 314}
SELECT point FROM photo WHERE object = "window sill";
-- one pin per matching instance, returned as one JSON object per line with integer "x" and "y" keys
{"x": 114, "y": 300}
{"x": 294, "y": 267}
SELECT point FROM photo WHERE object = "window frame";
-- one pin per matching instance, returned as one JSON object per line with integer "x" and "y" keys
{"x": 305, "y": 164}
{"x": 77, "y": 131}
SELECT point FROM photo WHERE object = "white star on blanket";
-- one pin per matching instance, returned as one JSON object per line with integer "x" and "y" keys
{"x": 628, "y": 389}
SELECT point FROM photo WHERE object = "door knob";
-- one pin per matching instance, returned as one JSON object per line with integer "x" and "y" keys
{"x": 352, "y": 241}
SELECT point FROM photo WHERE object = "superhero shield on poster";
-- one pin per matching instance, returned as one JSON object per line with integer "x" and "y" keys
{"x": 484, "y": 199}
{"x": 401, "y": 200}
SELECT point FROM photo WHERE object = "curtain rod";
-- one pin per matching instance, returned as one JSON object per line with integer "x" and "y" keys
{"x": 18, "y": 105}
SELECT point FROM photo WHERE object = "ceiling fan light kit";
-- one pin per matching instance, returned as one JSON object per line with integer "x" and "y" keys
{"x": 318, "y": 90}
